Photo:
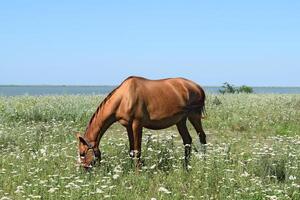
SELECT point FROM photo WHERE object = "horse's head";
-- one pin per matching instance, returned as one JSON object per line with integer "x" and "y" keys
{"x": 88, "y": 153}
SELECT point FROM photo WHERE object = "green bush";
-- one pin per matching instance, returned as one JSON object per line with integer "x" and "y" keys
{"x": 231, "y": 89}
{"x": 228, "y": 88}
{"x": 245, "y": 89}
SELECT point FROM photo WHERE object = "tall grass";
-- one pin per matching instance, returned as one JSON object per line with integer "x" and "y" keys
{"x": 236, "y": 112}
{"x": 253, "y": 152}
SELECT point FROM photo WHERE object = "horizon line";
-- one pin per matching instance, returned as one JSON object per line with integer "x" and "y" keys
{"x": 92, "y": 85}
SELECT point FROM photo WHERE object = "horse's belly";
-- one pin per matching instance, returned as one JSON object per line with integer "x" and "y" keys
{"x": 162, "y": 123}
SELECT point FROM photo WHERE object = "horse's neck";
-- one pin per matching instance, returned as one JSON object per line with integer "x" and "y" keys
{"x": 101, "y": 121}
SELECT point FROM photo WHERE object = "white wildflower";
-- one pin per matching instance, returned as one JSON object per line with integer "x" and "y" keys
{"x": 164, "y": 190}
{"x": 116, "y": 176}
{"x": 19, "y": 189}
{"x": 153, "y": 166}
{"x": 295, "y": 185}
{"x": 43, "y": 151}
{"x": 291, "y": 177}
{"x": 129, "y": 188}
{"x": 79, "y": 181}
{"x": 150, "y": 149}
{"x": 271, "y": 197}
{"x": 5, "y": 198}
{"x": 99, "y": 191}
{"x": 72, "y": 185}
{"x": 51, "y": 190}
{"x": 245, "y": 174}
{"x": 118, "y": 169}
{"x": 35, "y": 196}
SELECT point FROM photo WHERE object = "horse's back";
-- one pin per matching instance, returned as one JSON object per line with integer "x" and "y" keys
{"x": 178, "y": 89}
{"x": 159, "y": 99}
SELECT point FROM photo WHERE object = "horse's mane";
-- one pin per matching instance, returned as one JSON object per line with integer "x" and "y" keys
{"x": 104, "y": 101}
{"x": 101, "y": 104}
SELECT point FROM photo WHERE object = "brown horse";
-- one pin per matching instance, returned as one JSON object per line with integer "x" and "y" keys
{"x": 154, "y": 104}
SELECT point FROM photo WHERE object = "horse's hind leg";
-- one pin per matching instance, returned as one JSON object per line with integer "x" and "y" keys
{"x": 187, "y": 139}
{"x": 195, "y": 119}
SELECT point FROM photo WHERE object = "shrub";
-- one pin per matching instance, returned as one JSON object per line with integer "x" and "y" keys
{"x": 228, "y": 88}
{"x": 231, "y": 89}
{"x": 245, "y": 89}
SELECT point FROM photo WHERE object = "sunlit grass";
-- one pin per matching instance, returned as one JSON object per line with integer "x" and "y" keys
{"x": 253, "y": 152}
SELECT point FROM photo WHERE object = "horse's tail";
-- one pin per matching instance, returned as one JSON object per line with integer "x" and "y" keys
{"x": 198, "y": 107}
{"x": 202, "y": 109}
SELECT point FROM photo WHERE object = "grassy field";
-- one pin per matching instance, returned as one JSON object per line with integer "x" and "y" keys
{"x": 253, "y": 152}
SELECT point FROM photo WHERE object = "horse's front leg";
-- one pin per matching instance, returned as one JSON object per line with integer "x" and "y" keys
{"x": 131, "y": 142}
{"x": 137, "y": 143}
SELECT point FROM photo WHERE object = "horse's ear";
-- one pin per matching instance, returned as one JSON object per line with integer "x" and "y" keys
{"x": 82, "y": 140}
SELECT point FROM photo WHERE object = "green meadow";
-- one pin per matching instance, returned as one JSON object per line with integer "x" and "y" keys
{"x": 253, "y": 152}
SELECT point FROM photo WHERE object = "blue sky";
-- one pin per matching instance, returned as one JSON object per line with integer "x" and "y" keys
{"x": 255, "y": 43}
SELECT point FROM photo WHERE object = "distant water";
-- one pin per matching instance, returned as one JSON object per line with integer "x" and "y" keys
{"x": 262, "y": 90}
{"x": 98, "y": 90}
